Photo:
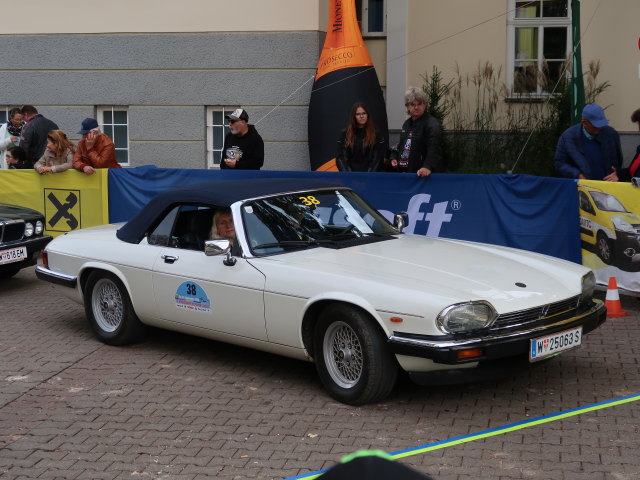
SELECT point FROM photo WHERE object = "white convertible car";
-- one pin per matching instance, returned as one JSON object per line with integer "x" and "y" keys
{"x": 311, "y": 271}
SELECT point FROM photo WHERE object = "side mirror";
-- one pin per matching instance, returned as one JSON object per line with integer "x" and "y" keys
{"x": 400, "y": 220}
{"x": 213, "y": 248}
{"x": 635, "y": 181}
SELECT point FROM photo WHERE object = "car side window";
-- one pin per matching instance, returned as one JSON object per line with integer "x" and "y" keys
{"x": 585, "y": 204}
{"x": 192, "y": 227}
{"x": 161, "y": 235}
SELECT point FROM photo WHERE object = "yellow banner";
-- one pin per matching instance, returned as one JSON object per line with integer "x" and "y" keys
{"x": 69, "y": 200}
{"x": 610, "y": 231}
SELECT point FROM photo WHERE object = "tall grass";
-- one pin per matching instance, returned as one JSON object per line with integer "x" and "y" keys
{"x": 488, "y": 131}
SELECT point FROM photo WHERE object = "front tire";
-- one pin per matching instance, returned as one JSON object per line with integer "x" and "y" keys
{"x": 109, "y": 310}
{"x": 352, "y": 360}
{"x": 604, "y": 247}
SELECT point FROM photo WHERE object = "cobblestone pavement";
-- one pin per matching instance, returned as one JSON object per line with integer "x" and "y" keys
{"x": 179, "y": 407}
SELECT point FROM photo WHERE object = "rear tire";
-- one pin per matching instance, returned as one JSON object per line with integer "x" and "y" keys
{"x": 109, "y": 310}
{"x": 352, "y": 359}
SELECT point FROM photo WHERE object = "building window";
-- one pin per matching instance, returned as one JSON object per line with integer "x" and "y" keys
{"x": 4, "y": 114}
{"x": 539, "y": 35}
{"x": 217, "y": 129}
{"x": 114, "y": 121}
{"x": 372, "y": 17}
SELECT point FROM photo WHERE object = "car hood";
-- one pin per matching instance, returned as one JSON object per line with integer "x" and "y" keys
{"x": 452, "y": 270}
{"x": 15, "y": 212}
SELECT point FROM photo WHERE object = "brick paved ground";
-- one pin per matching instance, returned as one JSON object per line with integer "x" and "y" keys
{"x": 179, "y": 407}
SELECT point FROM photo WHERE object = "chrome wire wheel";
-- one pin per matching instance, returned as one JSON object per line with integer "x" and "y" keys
{"x": 107, "y": 305}
{"x": 343, "y": 355}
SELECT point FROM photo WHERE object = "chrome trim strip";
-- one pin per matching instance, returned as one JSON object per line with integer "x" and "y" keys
{"x": 469, "y": 342}
{"x": 44, "y": 273}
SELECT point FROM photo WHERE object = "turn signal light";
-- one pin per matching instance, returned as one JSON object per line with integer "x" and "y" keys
{"x": 45, "y": 259}
{"x": 396, "y": 320}
{"x": 470, "y": 353}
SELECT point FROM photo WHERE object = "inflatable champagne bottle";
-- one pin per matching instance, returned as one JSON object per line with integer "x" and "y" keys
{"x": 344, "y": 76}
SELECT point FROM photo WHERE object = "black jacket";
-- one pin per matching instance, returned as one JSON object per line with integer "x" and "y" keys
{"x": 357, "y": 157}
{"x": 34, "y": 137}
{"x": 424, "y": 150}
{"x": 251, "y": 147}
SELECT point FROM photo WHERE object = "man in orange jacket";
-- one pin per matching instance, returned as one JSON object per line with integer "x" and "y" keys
{"x": 95, "y": 149}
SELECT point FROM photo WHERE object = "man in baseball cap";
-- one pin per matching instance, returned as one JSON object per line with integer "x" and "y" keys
{"x": 243, "y": 146}
{"x": 591, "y": 149}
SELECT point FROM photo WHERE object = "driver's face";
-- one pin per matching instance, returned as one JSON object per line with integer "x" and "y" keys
{"x": 224, "y": 226}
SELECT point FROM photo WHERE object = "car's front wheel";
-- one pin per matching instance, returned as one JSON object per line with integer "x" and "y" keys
{"x": 604, "y": 247}
{"x": 351, "y": 356}
{"x": 109, "y": 310}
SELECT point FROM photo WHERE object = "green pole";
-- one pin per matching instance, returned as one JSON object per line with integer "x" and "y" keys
{"x": 577, "y": 80}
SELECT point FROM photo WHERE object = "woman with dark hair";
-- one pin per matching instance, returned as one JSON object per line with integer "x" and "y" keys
{"x": 360, "y": 147}
{"x": 10, "y": 133}
{"x": 58, "y": 155}
{"x": 16, "y": 157}
{"x": 634, "y": 167}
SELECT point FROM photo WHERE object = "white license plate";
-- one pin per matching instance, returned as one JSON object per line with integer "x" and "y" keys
{"x": 13, "y": 255}
{"x": 544, "y": 347}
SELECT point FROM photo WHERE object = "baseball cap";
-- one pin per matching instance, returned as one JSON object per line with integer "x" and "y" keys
{"x": 238, "y": 114}
{"x": 595, "y": 115}
{"x": 88, "y": 124}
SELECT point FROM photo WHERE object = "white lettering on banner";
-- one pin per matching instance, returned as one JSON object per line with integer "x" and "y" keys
{"x": 435, "y": 218}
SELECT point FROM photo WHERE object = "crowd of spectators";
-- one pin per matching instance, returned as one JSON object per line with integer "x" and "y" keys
{"x": 30, "y": 140}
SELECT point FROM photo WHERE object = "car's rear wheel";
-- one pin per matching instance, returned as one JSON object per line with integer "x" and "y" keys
{"x": 109, "y": 310}
{"x": 604, "y": 247}
{"x": 351, "y": 356}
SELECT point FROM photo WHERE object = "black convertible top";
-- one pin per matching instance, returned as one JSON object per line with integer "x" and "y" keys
{"x": 219, "y": 193}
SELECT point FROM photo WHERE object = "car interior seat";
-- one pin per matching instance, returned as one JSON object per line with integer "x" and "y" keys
{"x": 195, "y": 228}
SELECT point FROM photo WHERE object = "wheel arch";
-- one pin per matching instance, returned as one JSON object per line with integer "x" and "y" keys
{"x": 317, "y": 305}
{"x": 91, "y": 267}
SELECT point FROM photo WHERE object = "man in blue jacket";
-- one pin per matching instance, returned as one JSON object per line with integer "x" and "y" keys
{"x": 591, "y": 149}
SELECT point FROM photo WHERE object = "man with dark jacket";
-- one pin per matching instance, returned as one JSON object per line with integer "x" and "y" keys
{"x": 419, "y": 146}
{"x": 34, "y": 133}
{"x": 591, "y": 149}
{"x": 243, "y": 146}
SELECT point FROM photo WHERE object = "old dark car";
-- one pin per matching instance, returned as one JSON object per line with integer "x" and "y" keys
{"x": 21, "y": 238}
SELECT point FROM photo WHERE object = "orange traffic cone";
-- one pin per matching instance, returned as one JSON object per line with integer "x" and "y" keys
{"x": 612, "y": 300}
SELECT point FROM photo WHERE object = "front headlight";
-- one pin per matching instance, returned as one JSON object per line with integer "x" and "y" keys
{"x": 39, "y": 227}
{"x": 465, "y": 317}
{"x": 28, "y": 229}
{"x": 622, "y": 225}
{"x": 588, "y": 287}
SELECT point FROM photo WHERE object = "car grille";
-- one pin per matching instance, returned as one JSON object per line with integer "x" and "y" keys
{"x": 11, "y": 231}
{"x": 537, "y": 316}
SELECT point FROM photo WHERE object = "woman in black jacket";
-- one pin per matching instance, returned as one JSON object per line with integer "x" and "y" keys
{"x": 360, "y": 147}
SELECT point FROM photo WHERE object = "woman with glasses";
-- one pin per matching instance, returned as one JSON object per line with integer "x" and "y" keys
{"x": 361, "y": 148}
{"x": 419, "y": 146}
{"x": 10, "y": 133}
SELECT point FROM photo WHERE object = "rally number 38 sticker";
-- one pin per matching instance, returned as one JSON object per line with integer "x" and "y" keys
{"x": 191, "y": 296}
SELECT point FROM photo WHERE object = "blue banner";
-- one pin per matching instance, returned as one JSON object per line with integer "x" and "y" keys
{"x": 532, "y": 213}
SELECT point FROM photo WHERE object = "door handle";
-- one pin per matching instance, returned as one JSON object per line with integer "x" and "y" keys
{"x": 169, "y": 258}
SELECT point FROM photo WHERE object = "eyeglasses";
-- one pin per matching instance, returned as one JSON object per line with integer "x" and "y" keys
{"x": 414, "y": 105}
{"x": 231, "y": 122}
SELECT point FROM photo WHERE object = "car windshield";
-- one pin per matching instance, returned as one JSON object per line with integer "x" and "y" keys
{"x": 607, "y": 202}
{"x": 333, "y": 218}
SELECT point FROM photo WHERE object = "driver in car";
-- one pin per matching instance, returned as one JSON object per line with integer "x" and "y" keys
{"x": 222, "y": 226}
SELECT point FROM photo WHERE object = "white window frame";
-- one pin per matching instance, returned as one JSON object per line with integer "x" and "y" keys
{"x": 541, "y": 22}
{"x": 364, "y": 21}
{"x": 224, "y": 110}
{"x": 100, "y": 111}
